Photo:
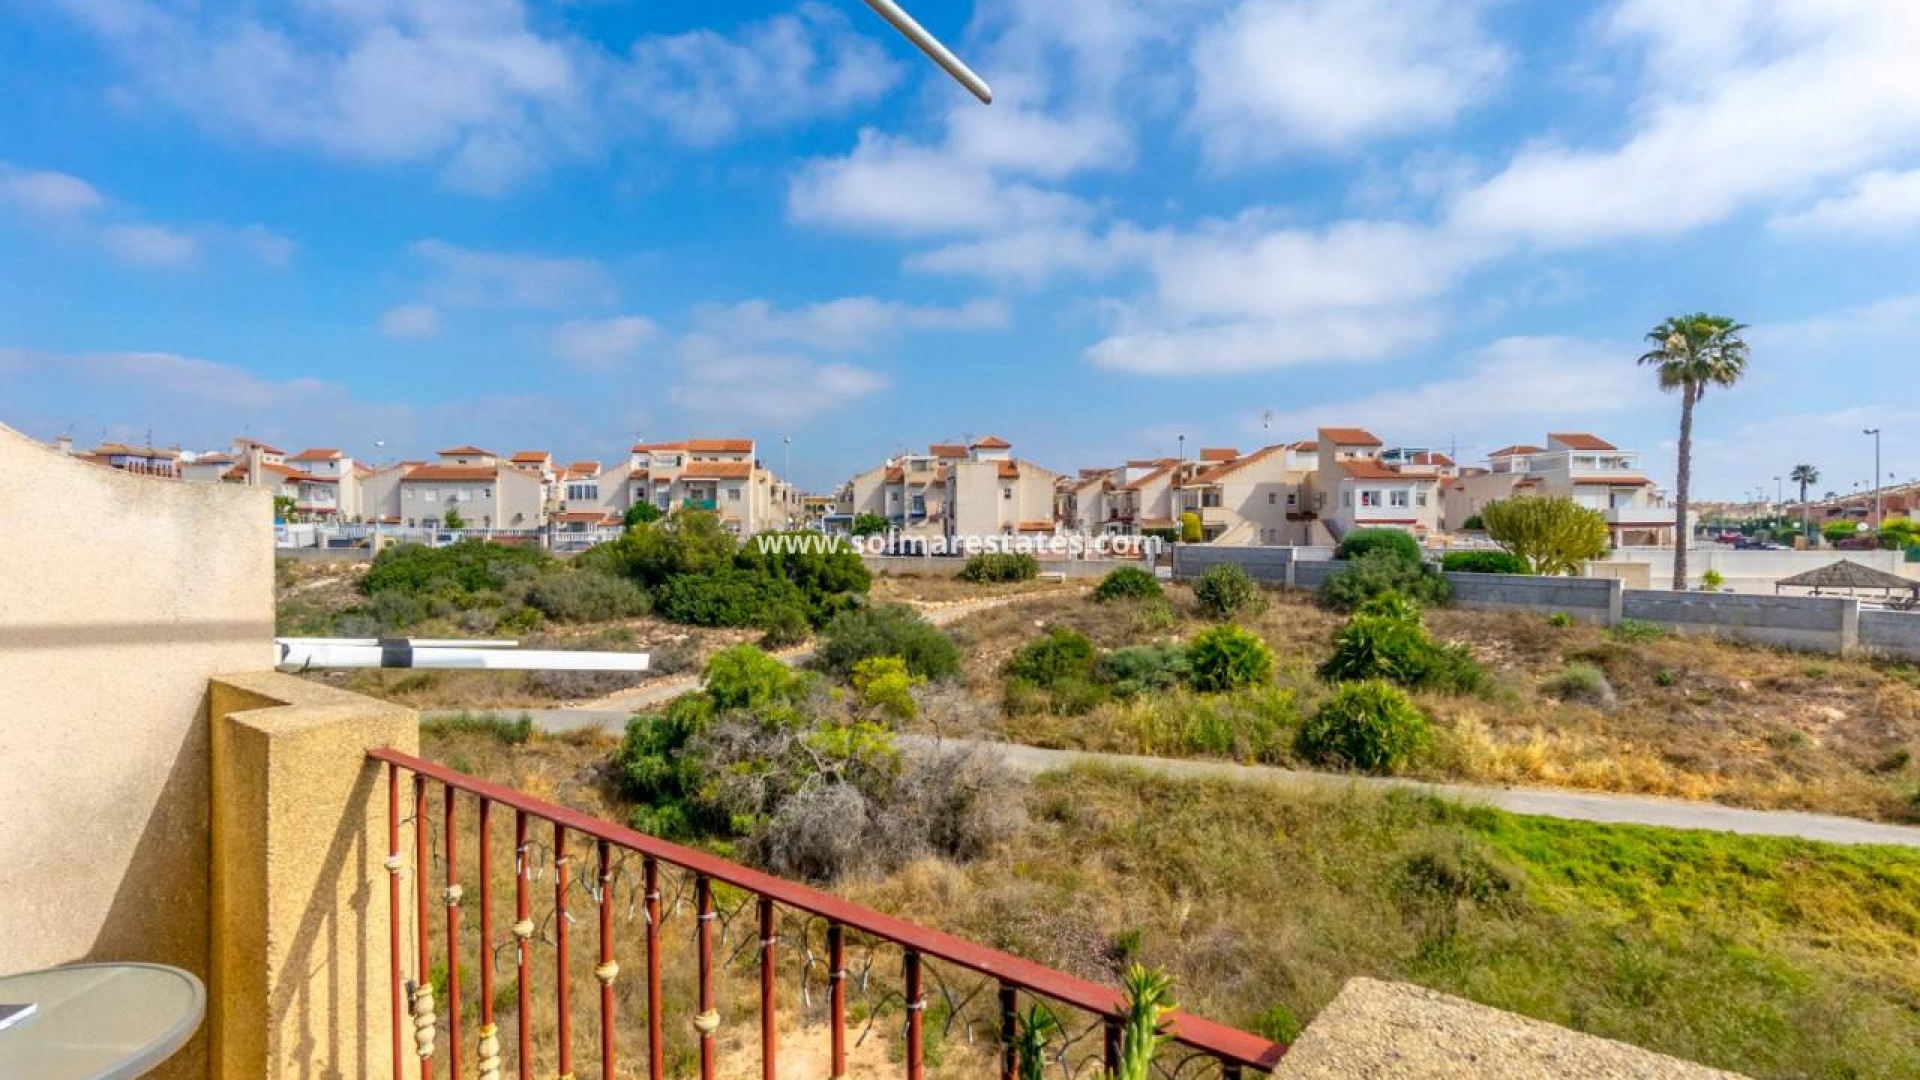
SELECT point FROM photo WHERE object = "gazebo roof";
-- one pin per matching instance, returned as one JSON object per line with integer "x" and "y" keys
{"x": 1847, "y": 574}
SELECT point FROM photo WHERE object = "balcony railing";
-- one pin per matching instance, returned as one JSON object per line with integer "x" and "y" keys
{"x": 819, "y": 946}
{"x": 699, "y": 504}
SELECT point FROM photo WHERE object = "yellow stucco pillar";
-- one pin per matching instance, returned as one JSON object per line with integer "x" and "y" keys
{"x": 299, "y": 984}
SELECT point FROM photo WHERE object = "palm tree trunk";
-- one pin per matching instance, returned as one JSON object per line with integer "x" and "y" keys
{"x": 1803, "y": 513}
{"x": 1682, "y": 484}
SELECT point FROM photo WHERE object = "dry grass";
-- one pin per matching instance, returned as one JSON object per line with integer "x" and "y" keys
{"x": 1776, "y": 958}
{"x": 1692, "y": 717}
{"x": 936, "y": 589}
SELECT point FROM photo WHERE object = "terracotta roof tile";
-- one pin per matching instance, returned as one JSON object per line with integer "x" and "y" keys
{"x": 991, "y": 442}
{"x": 1580, "y": 440}
{"x": 451, "y": 472}
{"x": 466, "y": 451}
{"x": 1516, "y": 450}
{"x": 1218, "y": 453}
{"x": 1349, "y": 436}
{"x": 317, "y": 454}
{"x": 1373, "y": 470}
{"x": 947, "y": 450}
{"x": 718, "y": 470}
{"x": 1009, "y": 470}
{"x": 533, "y": 457}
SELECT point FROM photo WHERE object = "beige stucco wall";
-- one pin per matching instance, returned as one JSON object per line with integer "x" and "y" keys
{"x": 119, "y": 597}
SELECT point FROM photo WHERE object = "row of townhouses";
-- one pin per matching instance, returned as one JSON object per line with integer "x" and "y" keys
{"x": 954, "y": 489}
{"x": 1315, "y": 491}
{"x": 526, "y": 491}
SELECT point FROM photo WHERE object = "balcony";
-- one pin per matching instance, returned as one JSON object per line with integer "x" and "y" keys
{"x": 699, "y": 504}
{"x": 1639, "y": 516}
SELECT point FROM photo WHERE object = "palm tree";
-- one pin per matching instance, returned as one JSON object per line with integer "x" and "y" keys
{"x": 1691, "y": 353}
{"x": 1804, "y": 475}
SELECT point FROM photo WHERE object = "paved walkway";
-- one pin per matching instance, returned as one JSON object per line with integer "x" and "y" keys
{"x": 1542, "y": 802}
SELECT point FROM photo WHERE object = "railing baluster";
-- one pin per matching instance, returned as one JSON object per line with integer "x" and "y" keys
{"x": 393, "y": 910}
{"x": 708, "y": 1021}
{"x": 423, "y": 941}
{"x": 563, "y": 991}
{"x": 837, "y": 996}
{"x": 523, "y": 935}
{"x": 916, "y": 1005}
{"x": 607, "y": 969}
{"x": 488, "y": 1066}
{"x": 656, "y": 1053}
{"x": 1009, "y": 1030}
{"x": 452, "y": 897}
{"x": 1112, "y": 1052}
{"x": 769, "y": 1028}
{"x": 1229, "y": 1071}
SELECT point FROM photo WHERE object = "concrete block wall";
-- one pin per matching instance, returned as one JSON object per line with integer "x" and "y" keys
{"x": 1264, "y": 564}
{"x": 1594, "y": 600}
{"x": 1891, "y": 633}
{"x": 1814, "y": 623}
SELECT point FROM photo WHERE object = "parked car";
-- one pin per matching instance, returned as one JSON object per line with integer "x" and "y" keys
{"x": 1728, "y": 536}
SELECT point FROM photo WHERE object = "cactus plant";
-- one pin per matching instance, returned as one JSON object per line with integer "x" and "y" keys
{"x": 1143, "y": 1028}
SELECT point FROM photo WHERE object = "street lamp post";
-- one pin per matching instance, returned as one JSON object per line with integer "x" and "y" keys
{"x": 1183, "y": 449}
{"x": 1875, "y": 432}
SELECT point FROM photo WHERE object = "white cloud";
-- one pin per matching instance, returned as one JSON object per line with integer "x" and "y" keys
{"x": 1779, "y": 95}
{"x": 47, "y": 193}
{"x": 766, "y": 387}
{"x": 1028, "y": 257}
{"x": 410, "y": 321}
{"x": 1277, "y": 75}
{"x": 603, "y": 345}
{"x": 1882, "y": 204}
{"x": 151, "y": 245}
{"x": 1510, "y": 390}
{"x": 1307, "y": 337}
{"x": 849, "y": 323}
{"x": 469, "y": 277}
{"x": 705, "y": 87}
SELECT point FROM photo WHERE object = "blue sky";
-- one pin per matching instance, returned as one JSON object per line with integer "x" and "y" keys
{"x": 427, "y": 222}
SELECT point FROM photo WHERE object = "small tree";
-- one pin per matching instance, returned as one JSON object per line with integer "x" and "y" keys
{"x": 640, "y": 513}
{"x": 1836, "y": 531}
{"x": 1191, "y": 530}
{"x": 869, "y": 525}
{"x": 284, "y": 507}
{"x": 1554, "y": 535}
{"x": 453, "y": 520}
{"x": 1899, "y": 533}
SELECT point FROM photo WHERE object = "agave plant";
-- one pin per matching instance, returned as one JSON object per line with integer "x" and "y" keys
{"x": 1143, "y": 1029}
{"x": 1030, "y": 1042}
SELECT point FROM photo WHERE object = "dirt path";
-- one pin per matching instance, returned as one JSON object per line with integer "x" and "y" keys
{"x": 1600, "y": 807}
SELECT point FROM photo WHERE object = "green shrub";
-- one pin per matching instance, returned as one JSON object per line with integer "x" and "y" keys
{"x": 884, "y": 684}
{"x": 1580, "y": 682}
{"x": 743, "y": 677}
{"x": 639, "y": 514}
{"x": 1227, "y": 658}
{"x": 1633, "y": 631}
{"x": 469, "y": 566}
{"x": 656, "y": 769}
{"x": 1368, "y": 726}
{"x": 783, "y": 626}
{"x": 1713, "y": 581}
{"x": 868, "y": 525}
{"x": 1364, "y": 541}
{"x": 1376, "y": 572}
{"x": 1061, "y": 653}
{"x": 1483, "y": 562}
{"x": 887, "y": 630}
{"x": 827, "y": 572}
{"x": 396, "y": 611}
{"x": 999, "y": 568}
{"x": 1226, "y": 591}
{"x": 1474, "y": 523}
{"x": 1127, "y": 583}
{"x": 1560, "y": 620}
{"x": 1139, "y": 669}
{"x": 1385, "y": 640}
{"x": 586, "y": 596}
{"x": 729, "y": 596}
{"x": 689, "y": 542}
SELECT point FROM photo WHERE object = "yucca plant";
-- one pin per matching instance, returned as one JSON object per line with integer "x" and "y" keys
{"x": 1143, "y": 1031}
{"x": 1030, "y": 1042}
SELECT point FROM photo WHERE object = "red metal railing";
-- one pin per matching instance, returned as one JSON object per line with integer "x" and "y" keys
{"x": 1227, "y": 1050}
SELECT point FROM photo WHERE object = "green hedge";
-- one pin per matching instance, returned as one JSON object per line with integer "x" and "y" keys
{"x": 1483, "y": 562}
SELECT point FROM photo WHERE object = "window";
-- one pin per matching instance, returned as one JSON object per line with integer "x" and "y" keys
{"x": 1293, "y": 500}
{"x": 430, "y": 495}
{"x": 1398, "y": 498}
{"x": 587, "y": 491}
{"x": 1006, "y": 493}
{"x": 733, "y": 494}
{"x": 1370, "y": 497}
{"x": 1419, "y": 498}
{"x": 1273, "y": 498}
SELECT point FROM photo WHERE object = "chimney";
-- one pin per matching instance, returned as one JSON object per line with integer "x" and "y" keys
{"x": 64, "y": 444}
